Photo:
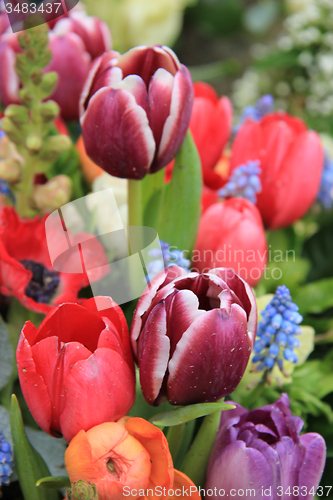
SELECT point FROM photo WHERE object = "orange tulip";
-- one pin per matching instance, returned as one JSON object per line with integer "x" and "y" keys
{"x": 128, "y": 459}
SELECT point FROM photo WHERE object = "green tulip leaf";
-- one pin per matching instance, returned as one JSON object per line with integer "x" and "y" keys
{"x": 53, "y": 483}
{"x": 314, "y": 297}
{"x": 6, "y": 355}
{"x": 186, "y": 413}
{"x": 180, "y": 208}
{"x": 29, "y": 465}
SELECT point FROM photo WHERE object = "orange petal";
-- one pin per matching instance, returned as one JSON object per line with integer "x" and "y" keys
{"x": 185, "y": 485}
{"x": 89, "y": 168}
{"x": 154, "y": 441}
{"x": 78, "y": 459}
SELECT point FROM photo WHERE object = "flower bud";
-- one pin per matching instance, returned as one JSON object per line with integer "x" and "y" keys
{"x": 10, "y": 170}
{"x": 34, "y": 142}
{"x": 11, "y": 130}
{"x": 49, "y": 83}
{"x": 17, "y": 114}
{"x": 26, "y": 97}
{"x": 36, "y": 76}
{"x": 82, "y": 491}
{"x": 49, "y": 111}
{"x": 55, "y": 145}
{"x": 52, "y": 195}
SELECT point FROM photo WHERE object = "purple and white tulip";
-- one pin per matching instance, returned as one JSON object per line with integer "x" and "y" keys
{"x": 135, "y": 110}
{"x": 192, "y": 335}
{"x": 262, "y": 450}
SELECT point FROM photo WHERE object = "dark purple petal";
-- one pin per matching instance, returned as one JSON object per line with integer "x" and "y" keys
{"x": 117, "y": 135}
{"x": 177, "y": 123}
{"x": 238, "y": 467}
{"x": 135, "y": 85}
{"x": 211, "y": 357}
{"x": 153, "y": 353}
{"x": 314, "y": 461}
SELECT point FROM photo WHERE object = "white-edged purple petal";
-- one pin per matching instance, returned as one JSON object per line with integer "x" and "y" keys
{"x": 136, "y": 86}
{"x": 117, "y": 135}
{"x": 210, "y": 358}
{"x": 177, "y": 123}
{"x": 153, "y": 353}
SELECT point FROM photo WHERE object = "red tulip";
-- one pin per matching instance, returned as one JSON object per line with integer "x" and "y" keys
{"x": 76, "y": 370}
{"x": 210, "y": 126}
{"x": 291, "y": 161}
{"x": 231, "y": 234}
{"x": 136, "y": 109}
{"x": 192, "y": 335}
{"x": 25, "y": 266}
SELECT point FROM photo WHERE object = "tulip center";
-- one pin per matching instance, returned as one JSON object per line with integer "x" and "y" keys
{"x": 43, "y": 283}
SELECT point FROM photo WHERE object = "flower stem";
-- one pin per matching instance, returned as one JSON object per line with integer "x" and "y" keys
{"x": 134, "y": 203}
{"x": 174, "y": 437}
{"x": 196, "y": 460}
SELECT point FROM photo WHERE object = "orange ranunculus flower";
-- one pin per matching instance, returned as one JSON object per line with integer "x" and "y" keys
{"x": 128, "y": 459}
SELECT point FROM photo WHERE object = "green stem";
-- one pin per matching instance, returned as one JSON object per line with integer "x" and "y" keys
{"x": 134, "y": 203}
{"x": 174, "y": 437}
{"x": 25, "y": 190}
{"x": 196, "y": 460}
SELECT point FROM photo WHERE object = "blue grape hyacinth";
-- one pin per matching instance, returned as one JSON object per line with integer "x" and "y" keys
{"x": 277, "y": 332}
{"x": 4, "y": 188}
{"x": 244, "y": 182}
{"x": 262, "y": 107}
{"x": 325, "y": 195}
{"x": 171, "y": 257}
{"x": 6, "y": 460}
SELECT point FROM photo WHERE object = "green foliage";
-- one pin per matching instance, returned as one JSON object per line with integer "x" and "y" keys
{"x": 186, "y": 413}
{"x": 29, "y": 465}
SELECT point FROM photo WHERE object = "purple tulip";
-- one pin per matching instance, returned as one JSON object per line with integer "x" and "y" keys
{"x": 192, "y": 335}
{"x": 261, "y": 450}
{"x": 136, "y": 110}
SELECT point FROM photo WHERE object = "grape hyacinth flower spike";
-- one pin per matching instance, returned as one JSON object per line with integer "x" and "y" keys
{"x": 6, "y": 460}
{"x": 172, "y": 256}
{"x": 325, "y": 195}
{"x": 244, "y": 182}
{"x": 277, "y": 331}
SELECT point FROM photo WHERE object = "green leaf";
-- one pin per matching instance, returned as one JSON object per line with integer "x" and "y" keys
{"x": 187, "y": 413}
{"x": 314, "y": 297}
{"x": 277, "y": 60}
{"x": 53, "y": 483}
{"x": 29, "y": 465}
{"x": 6, "y": 355}
{"x": 180, "y": 210}
{"x": 318, "y": 249}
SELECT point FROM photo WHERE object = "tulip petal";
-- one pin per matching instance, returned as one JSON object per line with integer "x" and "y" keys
{"x": 153, "y": 353}
{"x": 32, "y": 385}
{"x": 84, "y": 326}
{"x": 145, "y": 61}
{"x": 164, "y": 278}
{"x": 212, "y": 337}
{"x": 182, "y": 308}
{"x": 240, "y": 468}
{"x": 126, "y": 147}
{"x": 160, "y": 92}
{"x": 177, "y": 123}
{"x": 314, "y": 461}
{"x": 9, "y": 82}
{"x": 300, "y": 173}
{"x": 92, "y": 395}
{"x": 136, "y": 86}
{"x": 291, "y": 457}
